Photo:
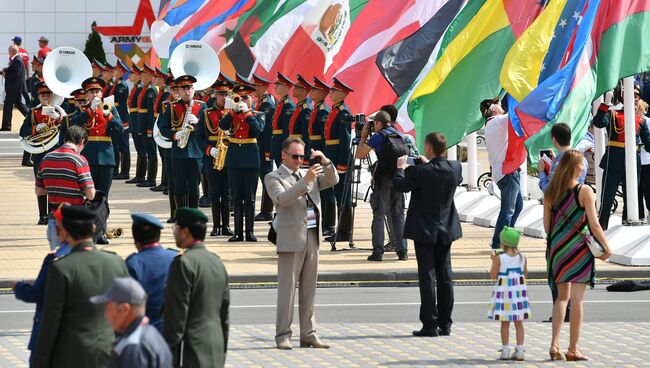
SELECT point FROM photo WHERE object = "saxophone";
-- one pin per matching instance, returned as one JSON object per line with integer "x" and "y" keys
{"x": 222, "y": 146}
{"x": 182, "y": 143}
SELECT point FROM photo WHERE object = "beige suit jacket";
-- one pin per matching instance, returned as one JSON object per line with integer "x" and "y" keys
{"x": 289, "y": 196}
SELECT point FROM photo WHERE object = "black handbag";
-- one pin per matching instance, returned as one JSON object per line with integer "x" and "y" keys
{"x": 272, "y": 236}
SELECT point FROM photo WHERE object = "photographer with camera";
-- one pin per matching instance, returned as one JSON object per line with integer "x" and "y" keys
{"x": 386, "y": 202}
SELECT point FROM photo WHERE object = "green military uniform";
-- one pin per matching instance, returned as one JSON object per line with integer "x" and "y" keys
{"x": 187, "y": 162}
{"x": 73, "y": 331}
{"x": 197, "y": 298}
{"x": 613, "y": 161}
{"x": 121, "y": 92}
{"x": 265, "y": 104}
{"x": 137, "y": 133}
{"x": 146, "y": 120}
{"x": 243, "y": 164}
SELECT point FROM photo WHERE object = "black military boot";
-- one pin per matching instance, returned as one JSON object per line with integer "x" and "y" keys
{"x": 140, "y": 170}
{"x": 125, "y": 167}
{"x": 193, "y": 199}
{"x": 329, "y": 218}
{"x": 152, "y": 173}
{"x": 172, "y": 209}
{"x": 344, "y": 227}
{"x": 27, "y": 159}
{"x": 250, "y": 236}
{"x": 266, "y": 211}
{"x": 239, "y": 225}
{"x": 181, "y": 201}
{"x": 163, "y": 181}
{"x": 216, "y": 218}
{"x": 225, "y": 218}
{"x": 118, "y": 161}
{"x": 42, "y": 209}
{"x": 205, "y": 199}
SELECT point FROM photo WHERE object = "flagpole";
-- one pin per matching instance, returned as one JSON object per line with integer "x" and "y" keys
{"x": 523, "y": 179}
{"x": 472, "y": 159}
{"x": 630, "y": 152}
{"x": 599, "y": 151}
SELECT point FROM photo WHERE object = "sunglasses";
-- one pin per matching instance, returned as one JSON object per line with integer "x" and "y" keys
{"x": 295, "y": 157}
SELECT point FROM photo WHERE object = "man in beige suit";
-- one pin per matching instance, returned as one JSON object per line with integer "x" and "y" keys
{"x": 296, "y": 196}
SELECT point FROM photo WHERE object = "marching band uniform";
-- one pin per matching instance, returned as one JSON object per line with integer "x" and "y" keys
{"x": 283, "y": 112}
{"x": 136, "y": 133}
{"x": 338, "y": 137}
{"x": 167, "y": 152}
{"x": 37, "y": 122}
{"x": 121, "y": 92}
{"x": 299, "y": 122}
{"x": 186, "y": 161}
{"x": 217, "y": 179}
{"x": 163, "y": 96}
{"x": 243, "y": 163}
{"x": 146, "y": 120}
{"x": 265, "y": 104}
{"x": 613, "y": 161}
{"x": 316, "y": 128}
{"x": 78, "y": 94}
{"x": 100, "y": 127}
{"x": 34, "y": 81}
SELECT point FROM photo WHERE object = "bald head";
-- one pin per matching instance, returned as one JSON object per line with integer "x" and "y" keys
{"x": 13, "y": 50}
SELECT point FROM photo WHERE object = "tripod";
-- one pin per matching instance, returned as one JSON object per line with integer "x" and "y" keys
{"x": 353, "y": 179}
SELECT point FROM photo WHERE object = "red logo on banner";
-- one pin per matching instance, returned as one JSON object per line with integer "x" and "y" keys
{"x": 144, "y": 13}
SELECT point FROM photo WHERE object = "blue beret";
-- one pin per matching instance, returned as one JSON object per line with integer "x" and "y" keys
{"x": 145, "y": 218}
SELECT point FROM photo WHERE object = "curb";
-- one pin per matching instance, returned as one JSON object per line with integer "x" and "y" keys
{"x": 398, "y": 278}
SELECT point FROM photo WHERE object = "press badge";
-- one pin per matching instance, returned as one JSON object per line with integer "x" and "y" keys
{"x": 311, "y": 218}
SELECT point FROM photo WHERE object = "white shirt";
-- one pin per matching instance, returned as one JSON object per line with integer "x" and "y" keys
{"x": 496, "y": 140}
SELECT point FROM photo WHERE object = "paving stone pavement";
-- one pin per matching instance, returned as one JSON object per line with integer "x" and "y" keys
{"x": 391, "y": 345}
{"x": 23, "y": 244}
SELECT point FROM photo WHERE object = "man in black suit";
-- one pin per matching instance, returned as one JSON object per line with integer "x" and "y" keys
{"x": 432, "y": 223}
{"x": 15, "y": 85}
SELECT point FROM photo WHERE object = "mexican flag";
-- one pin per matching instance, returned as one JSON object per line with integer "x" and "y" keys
{"x": 304, "y": 40}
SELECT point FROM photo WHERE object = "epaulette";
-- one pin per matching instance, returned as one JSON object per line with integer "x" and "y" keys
{"x": 63, "y": 256}
{"x": 173, "y": 250}
{"x": 108, "y": 251}
{"x": 130, "y": 255}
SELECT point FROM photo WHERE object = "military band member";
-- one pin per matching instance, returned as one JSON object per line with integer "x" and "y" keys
{"x": 35, "y": 80}
{"x": 160, "y": 80}
{"x": 283, "y": 112}
{"x": 315, "y": 128}
{"x": 178, "y": 124}
{"x": 146, "y": 103}
{"x": 40, "y": 122}
{"x": 175, "y": 95}
{"x": 217, "y": 176}
{"x": 266, "y": 104}
{"x": 107, "y": 76}
{"x": 298, "y": 124}
{"x": 80, "y": 101}
{"x": 137, "y": 134}
{"x": 121, "y": 92}
{"x": 97, "y": 68}
{"x": 101, "y": 125}
{"x": 338, "y": 138}
{"x": 243, "y": 160}
{"x": 612, "y": 118}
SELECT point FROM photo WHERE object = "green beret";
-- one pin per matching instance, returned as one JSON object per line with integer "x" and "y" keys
{"x": 186, "y": 216}
{"x": 509, "y": 237}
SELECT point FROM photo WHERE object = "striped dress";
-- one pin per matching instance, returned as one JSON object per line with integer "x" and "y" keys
{"x": 568, "y": 257}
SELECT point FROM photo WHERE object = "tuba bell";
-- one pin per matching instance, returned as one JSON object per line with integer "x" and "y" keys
{"x": 64, "y": 69}
{"x": 160, "y": 140}
{"x": 198, "y": 59}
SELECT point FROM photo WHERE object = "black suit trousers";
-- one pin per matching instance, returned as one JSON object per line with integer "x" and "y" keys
{"x": 434, "y": 266}
{"x": 11, "y": 99}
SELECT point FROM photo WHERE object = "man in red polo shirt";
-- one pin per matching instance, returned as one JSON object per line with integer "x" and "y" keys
{"x": 64, "y": 176}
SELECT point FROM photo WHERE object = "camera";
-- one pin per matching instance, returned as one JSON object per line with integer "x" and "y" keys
{"x": 412, "y": 160}
{"x": 359, "y": 121}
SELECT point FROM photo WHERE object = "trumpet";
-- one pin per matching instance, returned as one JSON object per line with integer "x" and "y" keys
{"x": 114, "y": 233}
{"x": 107, "y": 104}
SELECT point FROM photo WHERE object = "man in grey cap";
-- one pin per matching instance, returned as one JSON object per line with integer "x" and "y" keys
{"x": 138, "y": 344}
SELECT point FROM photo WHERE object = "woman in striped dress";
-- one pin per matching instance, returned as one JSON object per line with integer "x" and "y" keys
{"x": 569, "y": 215}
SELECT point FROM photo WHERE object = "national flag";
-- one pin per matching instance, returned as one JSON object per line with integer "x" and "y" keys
{"x": 616, "y": 46}
{"x": 372, "y": 32}
{"x": 467, "y": 71}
